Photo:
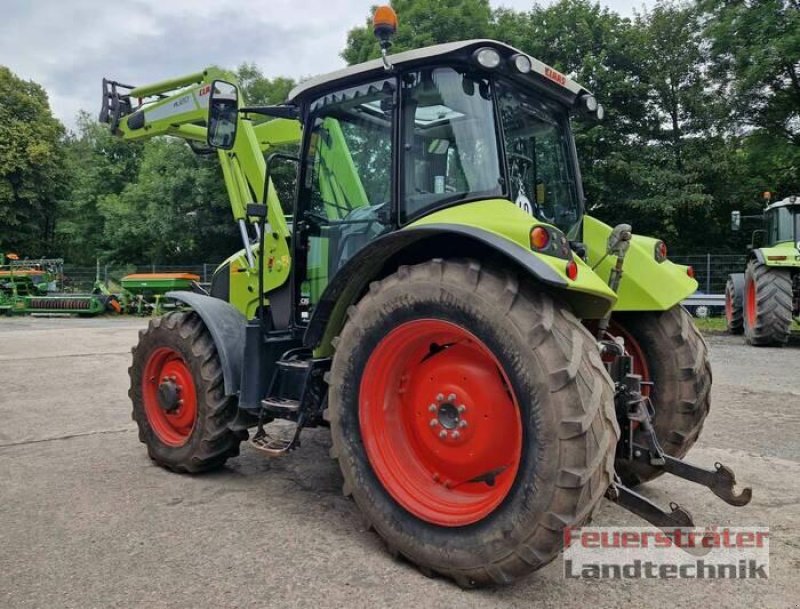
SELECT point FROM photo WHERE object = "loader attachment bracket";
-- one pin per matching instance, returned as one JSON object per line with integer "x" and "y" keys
{"x": 116, "y": 104}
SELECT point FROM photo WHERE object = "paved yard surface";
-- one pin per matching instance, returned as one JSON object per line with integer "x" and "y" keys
{"x": 87, "y": 521}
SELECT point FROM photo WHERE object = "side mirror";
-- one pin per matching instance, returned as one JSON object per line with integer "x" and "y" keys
{"x": 223, "y": 115}
{"x": 736, "y": 220}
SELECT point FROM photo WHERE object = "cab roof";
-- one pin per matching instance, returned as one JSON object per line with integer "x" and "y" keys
{"x": 551, "y": 79}
{"x": 793, "y": 200}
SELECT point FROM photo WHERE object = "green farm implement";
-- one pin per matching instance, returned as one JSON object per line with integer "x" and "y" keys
{"x": 143, "y": 293}
{"x": 762, "y": 301}
{"x": 29, "y": 287}
{"x": 491, "y": 361}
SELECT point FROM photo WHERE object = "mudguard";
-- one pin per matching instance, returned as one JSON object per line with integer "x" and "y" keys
{"x": 647, "y": 285}
{"x": 382, "y": 255}
{"x": 227, "y": 328}
{"x": 782, "y": 255}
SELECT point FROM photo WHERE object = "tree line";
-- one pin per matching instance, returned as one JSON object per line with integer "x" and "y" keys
{"x": 702, "y": 115}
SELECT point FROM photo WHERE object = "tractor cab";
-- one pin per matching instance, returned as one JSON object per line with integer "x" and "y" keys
{"x": 390, "y": 142}
{"x": 782, "y": 222}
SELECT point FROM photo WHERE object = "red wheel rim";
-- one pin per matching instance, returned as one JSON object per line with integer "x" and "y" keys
{"x": 751, "y": 302}
{"x": 440, "y": 423}
{"x": 172, "y": 420}
{"x": 636, "y": 352}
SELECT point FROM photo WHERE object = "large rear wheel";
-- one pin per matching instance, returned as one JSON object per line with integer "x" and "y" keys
{"x": 767, "y": 305}
{"x": 178, "y": 398}
{"x": 472, "y": 419}
{"x": 667, "y": 350}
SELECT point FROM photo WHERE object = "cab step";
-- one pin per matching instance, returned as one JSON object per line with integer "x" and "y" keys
{"x": 280, "y": 407}
{"x": 277, "y": 438}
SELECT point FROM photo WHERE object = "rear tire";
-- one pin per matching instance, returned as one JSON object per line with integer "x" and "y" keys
{"x": 557, "y": 389}
{"x": 676, "y": 358}
{"x": 193, "y": 435}
{"x": 767, "y": 305}
{"x": 734, "y": 303}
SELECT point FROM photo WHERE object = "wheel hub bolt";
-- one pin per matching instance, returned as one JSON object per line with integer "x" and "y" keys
{"x": 462, "y": 409}
{"x": 451, "y": 397}
{"x": 440, "y": 397}
{"x": 462, "y": 423}
{"x": 455, "y": 435}
{"x": 432, "y": 408}
{"x": 434, "y": 422}
{"x": 443, "y": 434}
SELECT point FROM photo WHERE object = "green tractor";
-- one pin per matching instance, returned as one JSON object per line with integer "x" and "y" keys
{"x": 491, "y": 361}
{"x": 762, "y": 301}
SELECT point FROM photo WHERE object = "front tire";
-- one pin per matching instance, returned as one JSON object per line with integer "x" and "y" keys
{"x": 767, "y": 305}
{"x": 734, "y": 303}
{"x": 178, "y": 397}
{"x": 490, "y": 505}
{"x": 669, "y": 351}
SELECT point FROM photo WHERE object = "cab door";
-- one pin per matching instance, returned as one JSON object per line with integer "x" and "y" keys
{"x": 346, "y": 193}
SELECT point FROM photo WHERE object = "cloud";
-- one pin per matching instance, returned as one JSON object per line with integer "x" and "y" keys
{"x": 68, "y": 47}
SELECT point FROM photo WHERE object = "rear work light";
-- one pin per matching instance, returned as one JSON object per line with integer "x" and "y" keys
{"x": 550, "y": 241}
{"x": 487, "y": 58}
{"x": 690, "y": 271}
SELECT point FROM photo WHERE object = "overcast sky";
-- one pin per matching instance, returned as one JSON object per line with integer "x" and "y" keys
{"x": 70, "y": 45}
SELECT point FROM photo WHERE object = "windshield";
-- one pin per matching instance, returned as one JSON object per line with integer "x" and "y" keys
{"x": 450, "y": 149}
{"x": 783, "y": 224}
{"x": 538, "y": 150}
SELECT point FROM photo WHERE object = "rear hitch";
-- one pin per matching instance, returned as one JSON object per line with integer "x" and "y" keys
{"x": 721, "y": 480}
{"x": 639, "y": 443}
{"x": 636, "y": 412}
{"x": 677, "y": 518}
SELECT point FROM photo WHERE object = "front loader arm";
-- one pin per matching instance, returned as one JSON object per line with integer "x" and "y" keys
{"x": 178, "y": 107}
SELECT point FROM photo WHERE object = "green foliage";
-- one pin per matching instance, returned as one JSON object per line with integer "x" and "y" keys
{"x": 755, "y": 47}
{"x": 171, "y": 212}
{"x": 423, "y": 23}
{"x": 259, "y": 90}
{"x": 100, "y": 165}
{"x": 32, "y": 173}
{"x": 702, "y": 114}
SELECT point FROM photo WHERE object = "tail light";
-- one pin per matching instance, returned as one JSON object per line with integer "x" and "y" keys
{"x": 660, "y": 251}
{"x": 550, "y": 241}
{"x": 572, "y": 270}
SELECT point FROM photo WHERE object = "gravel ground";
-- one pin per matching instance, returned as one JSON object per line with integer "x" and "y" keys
{"x": 86, "y": 520}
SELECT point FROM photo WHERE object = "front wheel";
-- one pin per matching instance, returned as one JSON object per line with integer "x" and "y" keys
{"x": 472, "y": 419}
{"x": 734, "y": 303}
{"x": 178, "y": 397}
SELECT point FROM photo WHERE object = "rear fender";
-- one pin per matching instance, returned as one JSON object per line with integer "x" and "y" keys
{"x": 415, "y": 244}
{"x": 646, "y": 285}
{"x": 784, "y": 255}
{"x": 226, "y": 325}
